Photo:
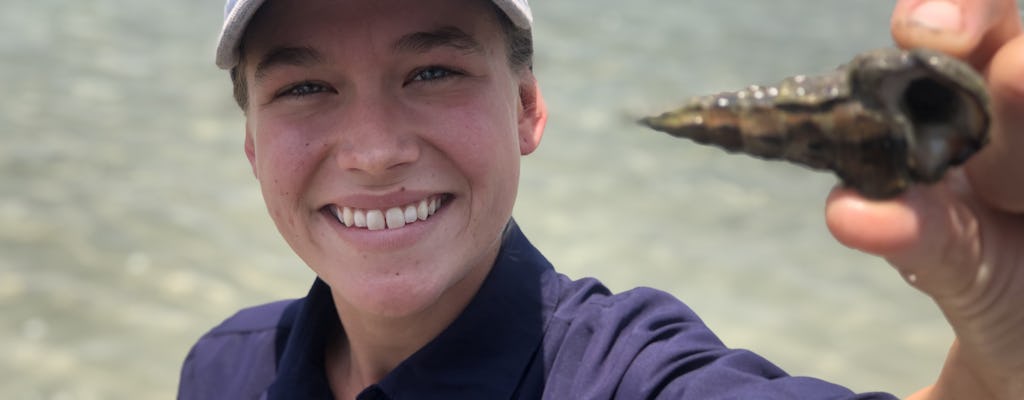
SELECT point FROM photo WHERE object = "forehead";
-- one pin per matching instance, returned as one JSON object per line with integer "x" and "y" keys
{"x": 365, "y": 23}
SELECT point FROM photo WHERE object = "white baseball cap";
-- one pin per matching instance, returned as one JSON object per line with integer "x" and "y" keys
{"x": 237, "y": 14}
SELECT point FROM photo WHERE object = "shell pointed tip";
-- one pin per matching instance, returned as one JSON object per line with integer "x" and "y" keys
{"x": 650, "y": 122}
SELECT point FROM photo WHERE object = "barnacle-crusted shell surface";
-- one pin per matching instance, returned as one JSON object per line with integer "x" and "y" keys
{"x": 885, "y": 120}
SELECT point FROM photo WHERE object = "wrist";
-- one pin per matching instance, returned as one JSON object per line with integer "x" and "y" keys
{"x": 962, "y": 379}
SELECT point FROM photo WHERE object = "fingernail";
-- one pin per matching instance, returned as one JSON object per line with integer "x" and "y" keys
{"x": 938, "y": 15}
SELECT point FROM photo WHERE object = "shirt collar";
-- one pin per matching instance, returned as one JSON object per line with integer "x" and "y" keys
{"x": 483, "y": 354}
{"x": 300, "y": 347}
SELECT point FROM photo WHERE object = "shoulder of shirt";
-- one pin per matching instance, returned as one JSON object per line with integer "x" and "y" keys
{"x": 248, "y": 338}
{"x": 255, "y": 319}
{"x": 588, "y": 295}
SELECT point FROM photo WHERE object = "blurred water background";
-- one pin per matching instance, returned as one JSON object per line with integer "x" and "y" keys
{"x": 130, "y": 223}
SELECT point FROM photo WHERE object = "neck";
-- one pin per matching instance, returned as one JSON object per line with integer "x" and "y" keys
{"x": 371, "y": 346}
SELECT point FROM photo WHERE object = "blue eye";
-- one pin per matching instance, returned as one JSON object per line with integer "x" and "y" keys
{"x": 304, "y": 89}
{"x": 433, "y": 73}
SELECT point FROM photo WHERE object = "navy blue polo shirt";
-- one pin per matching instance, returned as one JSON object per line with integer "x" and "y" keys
{"x": 529, "y": 333}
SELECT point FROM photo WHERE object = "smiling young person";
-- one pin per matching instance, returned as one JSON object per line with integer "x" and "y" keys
{"x": 386, "y": 137}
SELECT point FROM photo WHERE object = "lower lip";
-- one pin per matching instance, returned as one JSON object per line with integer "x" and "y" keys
{"x": 385, "y": 239}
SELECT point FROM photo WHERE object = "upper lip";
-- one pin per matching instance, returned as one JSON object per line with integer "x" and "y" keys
{"x": 382, "y": 201}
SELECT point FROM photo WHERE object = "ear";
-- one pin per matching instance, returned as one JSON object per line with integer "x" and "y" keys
{"x": 250, "y": 148}
{"x": 533, "y": 114}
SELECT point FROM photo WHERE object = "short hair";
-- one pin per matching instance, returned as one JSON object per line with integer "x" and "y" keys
{"x": 518, "y": 46}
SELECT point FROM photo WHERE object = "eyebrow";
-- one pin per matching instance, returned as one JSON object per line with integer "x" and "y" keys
{"x": 416, "y": 42}
{"x": 284, "y": 56}
{"x": 448, "y": 36}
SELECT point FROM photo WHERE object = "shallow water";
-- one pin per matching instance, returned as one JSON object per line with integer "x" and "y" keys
{"x": 130, "y": 224}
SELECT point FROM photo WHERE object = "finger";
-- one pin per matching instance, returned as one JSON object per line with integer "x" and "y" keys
{"x": 969, "y": 29}
{"x": 928, "y": 235}
{"x": 876, "y": 227}
{"x": 997, "y": 172}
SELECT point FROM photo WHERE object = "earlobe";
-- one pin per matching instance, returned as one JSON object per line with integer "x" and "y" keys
{"x": 533, "y": 115}
{"x": 250, "y": 149}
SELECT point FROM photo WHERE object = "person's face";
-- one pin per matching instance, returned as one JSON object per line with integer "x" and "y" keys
{"x": 361, "y": 112}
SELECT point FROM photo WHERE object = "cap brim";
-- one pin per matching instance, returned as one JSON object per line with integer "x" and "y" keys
{"x": 240, "y": 12}
{"x": 231, "y": 33}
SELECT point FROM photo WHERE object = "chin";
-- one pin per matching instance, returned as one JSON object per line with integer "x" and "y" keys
{"x": 392, "y": 296}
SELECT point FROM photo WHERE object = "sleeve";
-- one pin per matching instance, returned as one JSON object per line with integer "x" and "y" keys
{"x": 645, "y": 344}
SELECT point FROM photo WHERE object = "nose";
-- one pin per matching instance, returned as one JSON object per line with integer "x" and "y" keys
{"x": 375, "y": 138}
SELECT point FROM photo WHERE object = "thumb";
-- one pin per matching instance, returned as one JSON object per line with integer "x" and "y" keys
{"x": 971, "y": 30}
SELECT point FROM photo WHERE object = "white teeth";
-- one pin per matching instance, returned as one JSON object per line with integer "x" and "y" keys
{"x": 410, "y": 214}
{"x": 374, "y": 220}
{"x": 422, "y": 210}
{"x": 392, "y": 218}
{"x": 346, "y": 216}
{"x": 395, "y": 217}
{"x": 359, "y": 218}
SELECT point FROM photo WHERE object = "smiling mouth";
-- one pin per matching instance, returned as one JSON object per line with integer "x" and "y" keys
{"x": 391, "y": 218}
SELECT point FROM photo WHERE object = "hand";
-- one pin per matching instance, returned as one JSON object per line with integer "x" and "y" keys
{"x": 961, "y": 241}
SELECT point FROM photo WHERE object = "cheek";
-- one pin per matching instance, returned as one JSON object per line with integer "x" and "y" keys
{"x": 489, "y": 158}
{"x": 283, "y": 164}
{"x": 485, "y": 140}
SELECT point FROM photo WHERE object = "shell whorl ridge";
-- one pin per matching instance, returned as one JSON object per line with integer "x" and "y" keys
{"x": 885, "y": 120}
